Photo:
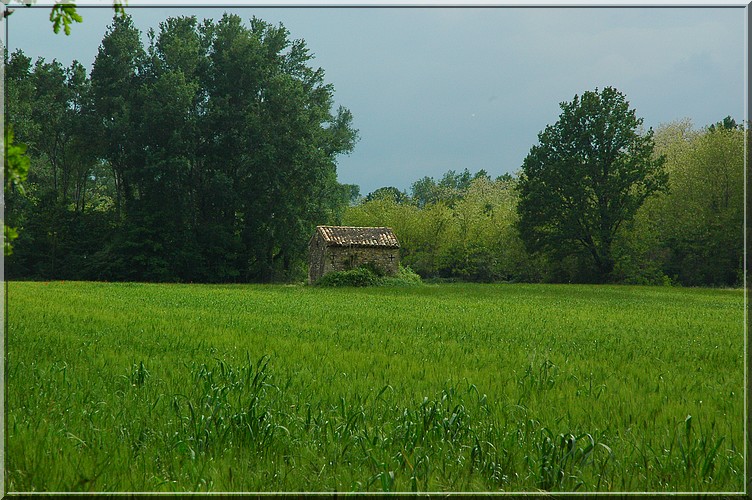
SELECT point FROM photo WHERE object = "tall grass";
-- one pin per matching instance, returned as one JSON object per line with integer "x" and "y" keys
{"x": 134, "y": 387}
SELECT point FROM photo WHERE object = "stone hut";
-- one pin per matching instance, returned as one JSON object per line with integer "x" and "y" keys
{"x": 339, "y": 248}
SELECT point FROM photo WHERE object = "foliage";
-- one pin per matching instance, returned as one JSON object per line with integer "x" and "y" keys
{"x": 689, "y": 235}
{"x": 404, "y": 277}
{"x": 727, "y": 123}
{"x": 65, "y": 15}
{"x": 66, "y": 183}
{"x": 360, "y": 276}
{"x": 590, "y": 173}
{"x": 388, "y": 193}
{"x": 701, "y": 220}
{"x": 230, "y": 120}
{"x": 450, "y": 188}
{"x": 369, "y": 275}
{"x": 468, "y": 235}
{"x": 62, "y": 14}
{"x": 16, "y": 163}
{"x": 514, "y": 388}
{"x": 16, "y": 168}
{"x": 639, "y": 253}
{"x": 484, "y": 241}
{"x": 251, "y": 170}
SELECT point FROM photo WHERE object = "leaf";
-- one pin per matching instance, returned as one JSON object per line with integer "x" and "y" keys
{"x": 65, "y": 15}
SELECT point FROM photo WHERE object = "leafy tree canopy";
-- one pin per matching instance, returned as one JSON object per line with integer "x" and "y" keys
{"x": 589, "y": 173}
{"x": 388, "y": 192}
{"x": 216, "y": 145}
{"x": 727, "y": 123}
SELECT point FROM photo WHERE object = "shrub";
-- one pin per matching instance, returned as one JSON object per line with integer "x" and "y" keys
{"x": 376, "y": 270}
{"x": 368, "y": 275}
{"x": 360, "y": 276}
{"x": 404, "y": 277}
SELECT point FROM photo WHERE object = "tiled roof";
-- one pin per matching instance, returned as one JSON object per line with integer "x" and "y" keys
{"x": 358, "y": 236}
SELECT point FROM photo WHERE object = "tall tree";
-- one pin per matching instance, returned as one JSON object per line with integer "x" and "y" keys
{"x": 19, "y": 97}
{"x": 46, "y": 103}
{"x": 700, "y": 221}
{"x": 589, "y": 173}
{"x": 116, "y": 79}
{"x": 274, "y": 139}
{"x": 16, "y": 163}
{"x": 210, "y": 155}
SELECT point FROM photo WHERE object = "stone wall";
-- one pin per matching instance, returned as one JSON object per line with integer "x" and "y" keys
{"x": 344, "y": 258}
{"x": 316, "y": 258}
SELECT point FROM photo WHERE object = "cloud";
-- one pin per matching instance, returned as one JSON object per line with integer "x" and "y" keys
{"x": 433, "y": 89}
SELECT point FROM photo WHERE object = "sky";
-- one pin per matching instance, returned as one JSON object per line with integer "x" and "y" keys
{"x": 434, "y": 89}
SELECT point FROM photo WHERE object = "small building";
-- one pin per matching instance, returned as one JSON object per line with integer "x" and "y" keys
{"x": 339, "y": 248}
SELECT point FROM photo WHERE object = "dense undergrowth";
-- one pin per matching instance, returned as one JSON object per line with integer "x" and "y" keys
{"x": 366, "y": 275}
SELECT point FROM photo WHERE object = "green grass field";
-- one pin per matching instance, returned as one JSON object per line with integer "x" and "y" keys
{"x": 139, "y": 387}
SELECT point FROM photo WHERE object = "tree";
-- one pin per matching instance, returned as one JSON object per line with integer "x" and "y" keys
{"x": 115, "y": 81}
{"x": 272, "y": 134}
{"x": 388, "y": 192}
{"x": 16, "y": 164}
{"x": 451, "y": 188}
{"x": 209, "y": 155}
{"x": 700, "y": 221}
{"x": 47, "y": 102}
{"x": 473, "y": 240}
{"x": 727, "y": 123}
{"x": 590, "y": 172}
{"x": 424, "y": 192}
{"x": 482, "y": 244}
{"x": 19, "y": 89}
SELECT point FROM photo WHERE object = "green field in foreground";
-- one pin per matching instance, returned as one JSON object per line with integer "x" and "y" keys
{"x": 141, "y": 387}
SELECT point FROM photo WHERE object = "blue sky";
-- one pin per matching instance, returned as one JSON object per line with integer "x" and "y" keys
{"x": 433, "y": 89}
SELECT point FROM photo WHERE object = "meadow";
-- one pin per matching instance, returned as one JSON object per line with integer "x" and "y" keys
{"x": 453, "y": 387}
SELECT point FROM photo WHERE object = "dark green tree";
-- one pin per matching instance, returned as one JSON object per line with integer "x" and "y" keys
{"x": 16, "y": 163}
{"x": 589, "y": 174}
{"x": 116, "y": 79}
{"x": 19, "y": 92}
{"x": 210, "y": 155}
{"x": 274, "y": 138}
{"x": 46, "y": 102}
{"x": 387, "y": 192}
{"x": 727, "y": 123}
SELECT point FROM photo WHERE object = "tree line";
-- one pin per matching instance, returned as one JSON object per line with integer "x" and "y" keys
{"x": 687, "y": 231}
{"x": 207, "y": 155}
{"x": 210, "y": 155}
